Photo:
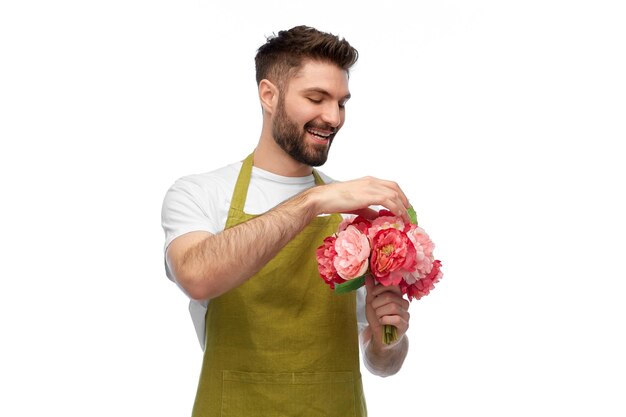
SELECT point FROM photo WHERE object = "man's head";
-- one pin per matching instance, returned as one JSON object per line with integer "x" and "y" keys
{"x": 308, "y": 70}
{"x": 282, "y": 55}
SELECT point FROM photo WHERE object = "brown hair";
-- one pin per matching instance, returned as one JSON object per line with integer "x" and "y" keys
{"x": 283, "y": 54}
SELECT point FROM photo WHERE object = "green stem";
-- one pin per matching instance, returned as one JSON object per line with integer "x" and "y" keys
{"x": 390, "y": 334}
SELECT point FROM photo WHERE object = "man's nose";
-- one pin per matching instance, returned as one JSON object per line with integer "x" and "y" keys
{"x": 332, "y": 115}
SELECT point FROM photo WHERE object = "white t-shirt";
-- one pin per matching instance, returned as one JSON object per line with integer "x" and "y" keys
{"x": 201, "y": 202}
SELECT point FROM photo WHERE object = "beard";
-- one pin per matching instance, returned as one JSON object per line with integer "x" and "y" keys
{"x": 292, "y": 139}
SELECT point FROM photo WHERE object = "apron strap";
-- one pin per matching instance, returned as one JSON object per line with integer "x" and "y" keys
{"x": 318, "y": 179}
{"x": 238, "y": 201}
{"x": 243, "y": 181}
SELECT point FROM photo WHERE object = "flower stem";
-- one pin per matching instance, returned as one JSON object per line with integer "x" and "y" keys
{"x": 390, "y": 334}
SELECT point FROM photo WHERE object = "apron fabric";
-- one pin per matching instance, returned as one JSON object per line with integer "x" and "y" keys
{"x": 281, "y": 344}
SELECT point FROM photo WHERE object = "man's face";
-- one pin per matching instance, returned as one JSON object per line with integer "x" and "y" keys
{"x": 311, "y": 111}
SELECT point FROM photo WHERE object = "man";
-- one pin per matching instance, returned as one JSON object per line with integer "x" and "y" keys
{"x": 240, "y": 242}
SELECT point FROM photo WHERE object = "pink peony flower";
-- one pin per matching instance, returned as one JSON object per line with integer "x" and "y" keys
{"x": 362, "y": 224}
{"x": 423, "y": 286}
{"x": 325, "y": 261}
{"x": 359, "y": 222}
{"x": 386, "y": 220}
{"x": 423, "y": 252}
{"x": 352, "y": 253}
{"x": 347, "y": 221}
{"x": 393, "y": 255}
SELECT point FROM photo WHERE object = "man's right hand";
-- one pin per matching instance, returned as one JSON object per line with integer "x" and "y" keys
{"x": 357, "y": 195}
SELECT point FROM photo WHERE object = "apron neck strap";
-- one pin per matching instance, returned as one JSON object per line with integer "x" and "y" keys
{"x": 243, "y": 181}
{"x": 318, "y": 179}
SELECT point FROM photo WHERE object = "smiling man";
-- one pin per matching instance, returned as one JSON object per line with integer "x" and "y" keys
{"x": 241, "y": 240}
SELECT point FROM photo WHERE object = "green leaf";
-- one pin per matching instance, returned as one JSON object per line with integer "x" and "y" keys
{"x": 350, "y": 285}
{"x": 412, "y": 215}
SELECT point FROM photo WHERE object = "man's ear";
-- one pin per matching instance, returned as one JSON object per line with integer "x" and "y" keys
{"x": 268, "y": 94}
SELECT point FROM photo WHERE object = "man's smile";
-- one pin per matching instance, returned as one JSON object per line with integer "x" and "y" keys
{"x": 321, "y": 135}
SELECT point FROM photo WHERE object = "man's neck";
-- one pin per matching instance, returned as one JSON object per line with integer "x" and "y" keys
{"x": 271, "y": 157}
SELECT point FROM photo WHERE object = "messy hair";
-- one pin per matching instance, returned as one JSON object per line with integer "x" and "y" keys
{"x": 282, "y": 55}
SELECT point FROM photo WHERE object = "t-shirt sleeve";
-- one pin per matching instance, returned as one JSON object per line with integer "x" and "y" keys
{"x": 187, "y": 208}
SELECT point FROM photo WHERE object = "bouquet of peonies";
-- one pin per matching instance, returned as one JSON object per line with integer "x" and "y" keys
{"x": 393, "y": 252}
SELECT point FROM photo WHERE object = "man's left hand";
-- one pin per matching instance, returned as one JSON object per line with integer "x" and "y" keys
{"x": 385, "y": 305}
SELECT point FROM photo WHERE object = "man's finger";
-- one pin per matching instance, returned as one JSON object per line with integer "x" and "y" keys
{"x": 379, "y": 289}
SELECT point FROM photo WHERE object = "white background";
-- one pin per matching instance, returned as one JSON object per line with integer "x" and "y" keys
{"x": 501, "y": 121}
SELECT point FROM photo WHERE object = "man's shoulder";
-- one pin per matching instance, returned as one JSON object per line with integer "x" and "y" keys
{"x": 223, "y": 176}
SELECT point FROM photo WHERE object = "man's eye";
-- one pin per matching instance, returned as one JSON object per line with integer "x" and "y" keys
{"x": 314, "y": 100}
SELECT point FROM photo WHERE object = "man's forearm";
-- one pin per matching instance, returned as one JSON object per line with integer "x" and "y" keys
{"x": 226, "y": 260}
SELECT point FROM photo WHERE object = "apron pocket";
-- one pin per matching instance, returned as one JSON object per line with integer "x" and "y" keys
{"x": 323, "y": 394}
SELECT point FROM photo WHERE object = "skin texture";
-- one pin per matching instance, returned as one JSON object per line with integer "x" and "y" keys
{"x": 313, "y": 103}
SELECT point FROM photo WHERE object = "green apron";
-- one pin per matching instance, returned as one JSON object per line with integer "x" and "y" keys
{"x": 282, "y": 344}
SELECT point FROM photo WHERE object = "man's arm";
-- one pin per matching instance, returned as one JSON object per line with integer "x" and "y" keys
{"x": 207, "y": 265}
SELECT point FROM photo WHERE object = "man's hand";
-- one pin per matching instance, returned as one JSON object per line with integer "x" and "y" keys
{"x": 385, "y": 305}
{"x": 356, "y": 195}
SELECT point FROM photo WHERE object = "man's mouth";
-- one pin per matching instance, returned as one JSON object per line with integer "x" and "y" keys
{"x": 321, "y": 135}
